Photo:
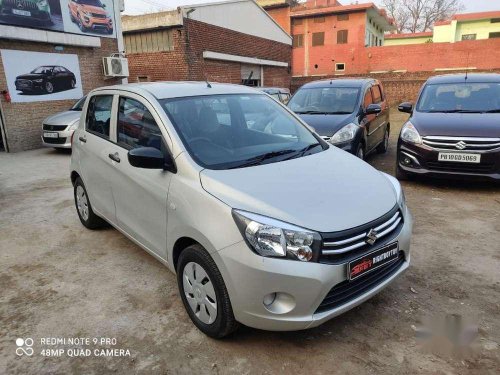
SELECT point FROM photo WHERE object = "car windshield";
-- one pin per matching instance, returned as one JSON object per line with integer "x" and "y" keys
{"x": 78, "y": 106}
{"x": 325, "y": 100}
{"x": 233, "y": 131}
{"x": 42, "y": 70}
{"x": 460, "y": 98}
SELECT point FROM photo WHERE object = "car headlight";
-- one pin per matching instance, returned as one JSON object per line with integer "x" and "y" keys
{"x": 72, "y": 126}
{"x": 346, "y": 134}
{"x": 400, "y": 194}
{"x": 42, "y": 4}
{"x": 273, "y": 238}
{"x": 40, "y": 80}
{"x": 410, "y": 134}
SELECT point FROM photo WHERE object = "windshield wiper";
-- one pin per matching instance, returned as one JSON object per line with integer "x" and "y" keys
{"x": 309, "y": 148}
{"x": 256, "y": 160}
{"x": 312, "y": 113}
{"x": 456, "y": 111}
{"x": 493, "y": 111}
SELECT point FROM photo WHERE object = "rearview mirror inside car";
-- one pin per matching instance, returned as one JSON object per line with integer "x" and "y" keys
{"x": 405, "y": 107}
{"x": 150, "y": 158}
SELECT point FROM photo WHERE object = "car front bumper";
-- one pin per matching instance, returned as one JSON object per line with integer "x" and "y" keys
{"x": 62, "y": 141}
{"x": 425, "y": 162}
{"x": 301, "y": 286}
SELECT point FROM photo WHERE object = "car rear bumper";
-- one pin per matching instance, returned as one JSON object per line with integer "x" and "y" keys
{"x": 424, "y": 161}
{"x": 301, "y": 286}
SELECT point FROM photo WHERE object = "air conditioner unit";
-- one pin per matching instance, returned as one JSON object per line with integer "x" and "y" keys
{"x": 115, "y": 66}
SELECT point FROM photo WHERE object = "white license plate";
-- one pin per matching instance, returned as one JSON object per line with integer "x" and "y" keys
{"x": 50, "y": 135}
{"x": 459, "y": 157}
{"x": 21, "y": 12}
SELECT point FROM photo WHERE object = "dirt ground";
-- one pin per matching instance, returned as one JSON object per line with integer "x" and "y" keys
{"x": 59, "y": 280}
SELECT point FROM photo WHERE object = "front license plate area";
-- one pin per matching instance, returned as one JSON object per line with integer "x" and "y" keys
{"x": 372, "y": 261}
{"x": 19, "y": 12}
{"x": 459, "y": 157}
{"x": 50, "y": 135}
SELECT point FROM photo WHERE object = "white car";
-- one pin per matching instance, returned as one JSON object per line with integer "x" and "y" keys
{"x": 275, "y": 229}
{"x": 58, "y": 129}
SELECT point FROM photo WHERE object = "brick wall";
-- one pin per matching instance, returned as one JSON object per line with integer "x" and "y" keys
{"x": 399, "y": 87}
{"x": 23, "y": 121}
{"x": 186, "y": 61}
{"x": 281, "y": 15}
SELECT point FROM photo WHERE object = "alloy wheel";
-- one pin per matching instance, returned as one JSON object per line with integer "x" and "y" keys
{"x": 49, "y": 87}
{"x": 199, "y": 292}
{"x": 82, "y": 202}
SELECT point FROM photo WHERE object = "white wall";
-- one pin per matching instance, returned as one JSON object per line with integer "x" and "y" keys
{"x": 244, "y": 16}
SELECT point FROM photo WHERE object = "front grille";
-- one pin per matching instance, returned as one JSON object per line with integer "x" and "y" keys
{"x": 54, "y": 127}
{"x": 55, "y": 141}
{"x": 347, "y": 290}
{"x": 24, "y": 82}
{"x": 21, "y": 4}
{"x": 461, "y": 143}
{"x": 97, "y": 15}
{"x": 344, "y": 246}
{"x": 459, "y": 167}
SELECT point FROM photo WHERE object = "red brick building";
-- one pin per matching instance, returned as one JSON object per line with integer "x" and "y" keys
{"x": 328, "y": 36}
{"x": 234, "y": 42}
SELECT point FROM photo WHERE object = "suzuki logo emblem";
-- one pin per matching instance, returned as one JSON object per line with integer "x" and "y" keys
{"x": 371, "y": 237}
{"x": 20, "y": 5}
{"x": 461, "y": 145}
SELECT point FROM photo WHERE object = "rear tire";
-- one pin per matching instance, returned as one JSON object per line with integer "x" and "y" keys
{"x": 84, "y": 209}
{"x": 214, "y": 322}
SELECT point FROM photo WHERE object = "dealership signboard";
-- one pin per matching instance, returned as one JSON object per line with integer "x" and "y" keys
{"x": 89, "y": 17}
{"x": 39, "y": 76}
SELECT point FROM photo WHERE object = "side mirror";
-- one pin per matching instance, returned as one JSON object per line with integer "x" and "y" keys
{"x": 103, "y": 5}
{"x": 373, "y": 109}
{"x": 405, "y": 107}
{"x": 150, "y": 158}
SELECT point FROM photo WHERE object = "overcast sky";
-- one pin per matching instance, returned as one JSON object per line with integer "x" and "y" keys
{"x": 148, "y": 6}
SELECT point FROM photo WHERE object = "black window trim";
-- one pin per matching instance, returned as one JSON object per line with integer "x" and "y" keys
{"x": 100, "y": 135}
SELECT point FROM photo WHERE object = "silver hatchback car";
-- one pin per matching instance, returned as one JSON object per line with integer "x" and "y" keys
{"x": 272, "y": 228}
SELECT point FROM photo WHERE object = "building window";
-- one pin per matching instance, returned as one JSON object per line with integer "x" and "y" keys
{"x": 149, "y": 41}
{"x": 142, "y": 79}
{"x": 495, "y": 20}
{"x": 319, "y": 19}
{"x": 339, "y": 67}
{"x": 494, "y": 35}
{"x": 342, "y": 36}
{"x": 343, "y": 17}
{"x": 297, "y": 21}
{"x": 469, "y": 37}
{"x": 318, "y": 39}
{"x": 298, "y": 41}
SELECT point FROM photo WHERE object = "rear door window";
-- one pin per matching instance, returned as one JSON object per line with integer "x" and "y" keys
{"x": 99, "y": 115}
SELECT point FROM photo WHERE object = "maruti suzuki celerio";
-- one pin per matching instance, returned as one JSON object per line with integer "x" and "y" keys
{"x": 264, "y": 222}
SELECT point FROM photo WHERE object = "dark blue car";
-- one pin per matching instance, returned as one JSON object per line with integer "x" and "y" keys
{"x": 351, "y": 114}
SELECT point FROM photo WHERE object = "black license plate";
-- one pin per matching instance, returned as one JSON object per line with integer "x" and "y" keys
{"x": 372, "y": 261}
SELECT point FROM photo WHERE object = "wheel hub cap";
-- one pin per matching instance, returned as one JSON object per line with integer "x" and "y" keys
{"x": 82, "y": 203}
{"x": 199, "y": 292}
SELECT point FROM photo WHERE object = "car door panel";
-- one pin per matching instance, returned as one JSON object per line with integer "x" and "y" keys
{"x": 95, "y": 147}
{"x": 140, "y": 195}
{"x": 368, "y": 121}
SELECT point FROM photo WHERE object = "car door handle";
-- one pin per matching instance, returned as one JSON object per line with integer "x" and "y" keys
{"x": 115, "y": 157}
{"x": 82, "y": 139}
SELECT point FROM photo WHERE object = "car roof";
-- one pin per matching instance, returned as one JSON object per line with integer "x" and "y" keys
{"x": 343, "y": 82}
{"x": 165, "y": 90}
{"x": 460, "y": 78}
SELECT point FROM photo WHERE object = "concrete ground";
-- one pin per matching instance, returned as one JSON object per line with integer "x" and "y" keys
{"x": 59, "y": 280}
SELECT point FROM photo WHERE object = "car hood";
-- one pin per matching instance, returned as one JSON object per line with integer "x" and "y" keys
{"x": 63, "y": 118}
{"x": 326, "y": 125}
{"x": 31, "y": 76}
{"x": 94, "y": 9}
{"x": 327, "y": 191}
{"x": 457, "y": 124}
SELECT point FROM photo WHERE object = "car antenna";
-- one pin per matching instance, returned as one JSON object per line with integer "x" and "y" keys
{"x": 331, "y": 81}
{"x": 208, "y": 84}
{"x": 467, "y": 67}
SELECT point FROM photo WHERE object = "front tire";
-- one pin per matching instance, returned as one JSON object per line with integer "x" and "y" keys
{"x": 84, "y": 209}
{"x": 204, "y": 293}
{"x": 401, "y": 175}
{"x": 48, "y": 87}
{"x": 360, "y": 151}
